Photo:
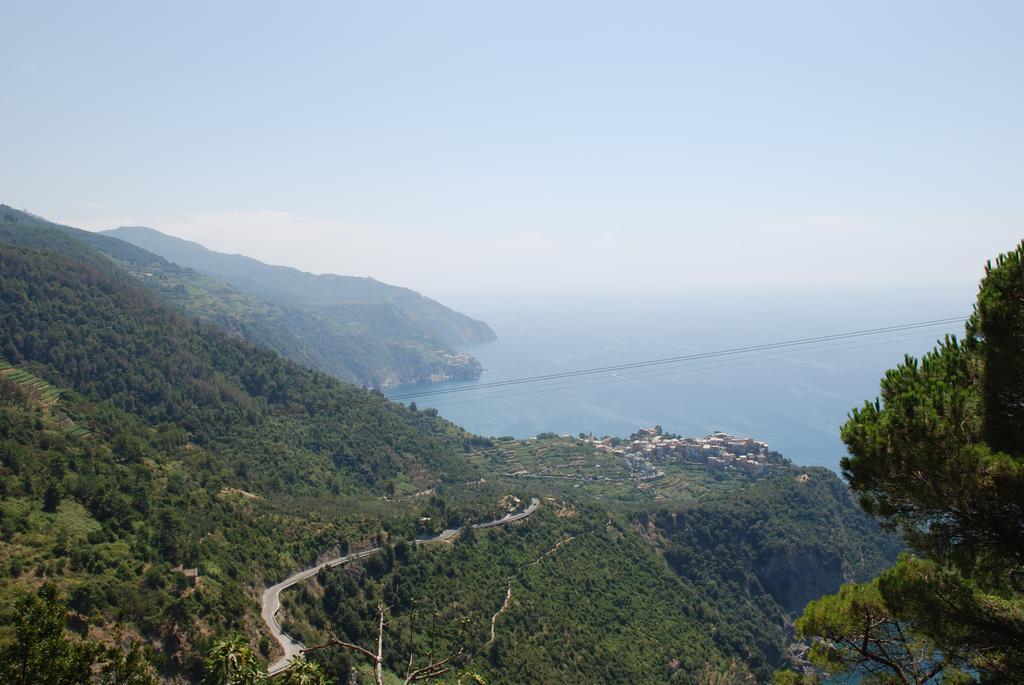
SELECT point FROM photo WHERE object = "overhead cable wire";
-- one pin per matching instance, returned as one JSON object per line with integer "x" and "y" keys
{"x": 679, "y": 359}
{"x": 676, "y": 371}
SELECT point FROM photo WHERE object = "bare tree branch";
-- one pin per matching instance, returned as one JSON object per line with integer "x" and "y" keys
{"x": 333, "y": 641}
{"x": 432, "y": 670}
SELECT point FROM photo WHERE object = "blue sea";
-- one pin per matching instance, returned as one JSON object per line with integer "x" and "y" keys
{"x": 795, "y": 399}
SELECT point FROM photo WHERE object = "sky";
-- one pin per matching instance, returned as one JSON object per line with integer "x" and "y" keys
{"x": 532, "y": 147}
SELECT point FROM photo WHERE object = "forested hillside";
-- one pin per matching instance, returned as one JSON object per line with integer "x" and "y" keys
{"x": 202, "y": 450}
{"x": 939, "y": 456}
{"x": 362, "y": 339}
{"x": 105, "y": 337}
{"x": 759, "y": 554}
{"x": 588, "y": 601}
{"x": 684, "y": 593}
{"x": 139, "y": 443}
{"x": 106, "y": 506}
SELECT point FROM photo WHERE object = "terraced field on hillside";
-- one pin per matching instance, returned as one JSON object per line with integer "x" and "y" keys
{"x": 43, "y": 395}
{"x": 564, "y": 464}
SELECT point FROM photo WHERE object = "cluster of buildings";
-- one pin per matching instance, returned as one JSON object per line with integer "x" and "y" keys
{"x": 457, "y": 358}
{"x": 457, "y": 366}
{"x": 649, "y": 447}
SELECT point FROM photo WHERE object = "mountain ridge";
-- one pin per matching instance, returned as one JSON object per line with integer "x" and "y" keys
{"x": 373, "y": 344}
{"x": 303, "y": 287}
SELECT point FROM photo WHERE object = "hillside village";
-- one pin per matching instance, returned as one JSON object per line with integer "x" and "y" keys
{"x": 649, "y": 448}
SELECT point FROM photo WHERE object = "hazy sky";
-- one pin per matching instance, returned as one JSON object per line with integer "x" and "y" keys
{"x": 531, "y": 146}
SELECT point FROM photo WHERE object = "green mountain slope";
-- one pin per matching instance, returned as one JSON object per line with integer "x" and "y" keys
{"x": 758, "y": 554}
{"x": 135, "y": 439}
{"x": 366, "y": 343}
{"x": 589, "y": 602}
{"x": 670, "y": 595}
{"x": 108, "y": 519}
{"x": 107, "y": 516}
{"x": 107, "y": 338}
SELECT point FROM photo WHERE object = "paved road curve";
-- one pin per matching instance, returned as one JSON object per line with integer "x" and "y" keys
{"x": 272, "y": 595}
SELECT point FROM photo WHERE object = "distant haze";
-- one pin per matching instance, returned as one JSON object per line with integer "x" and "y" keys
{"x": 533, "y": 147}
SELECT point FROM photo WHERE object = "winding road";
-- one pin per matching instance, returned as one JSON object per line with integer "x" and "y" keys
{"x": 272, "y": 595}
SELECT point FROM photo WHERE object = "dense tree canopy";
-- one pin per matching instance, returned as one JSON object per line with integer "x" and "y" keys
{"x": 940, "y": 456}
{"x": 42, "y": 652}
